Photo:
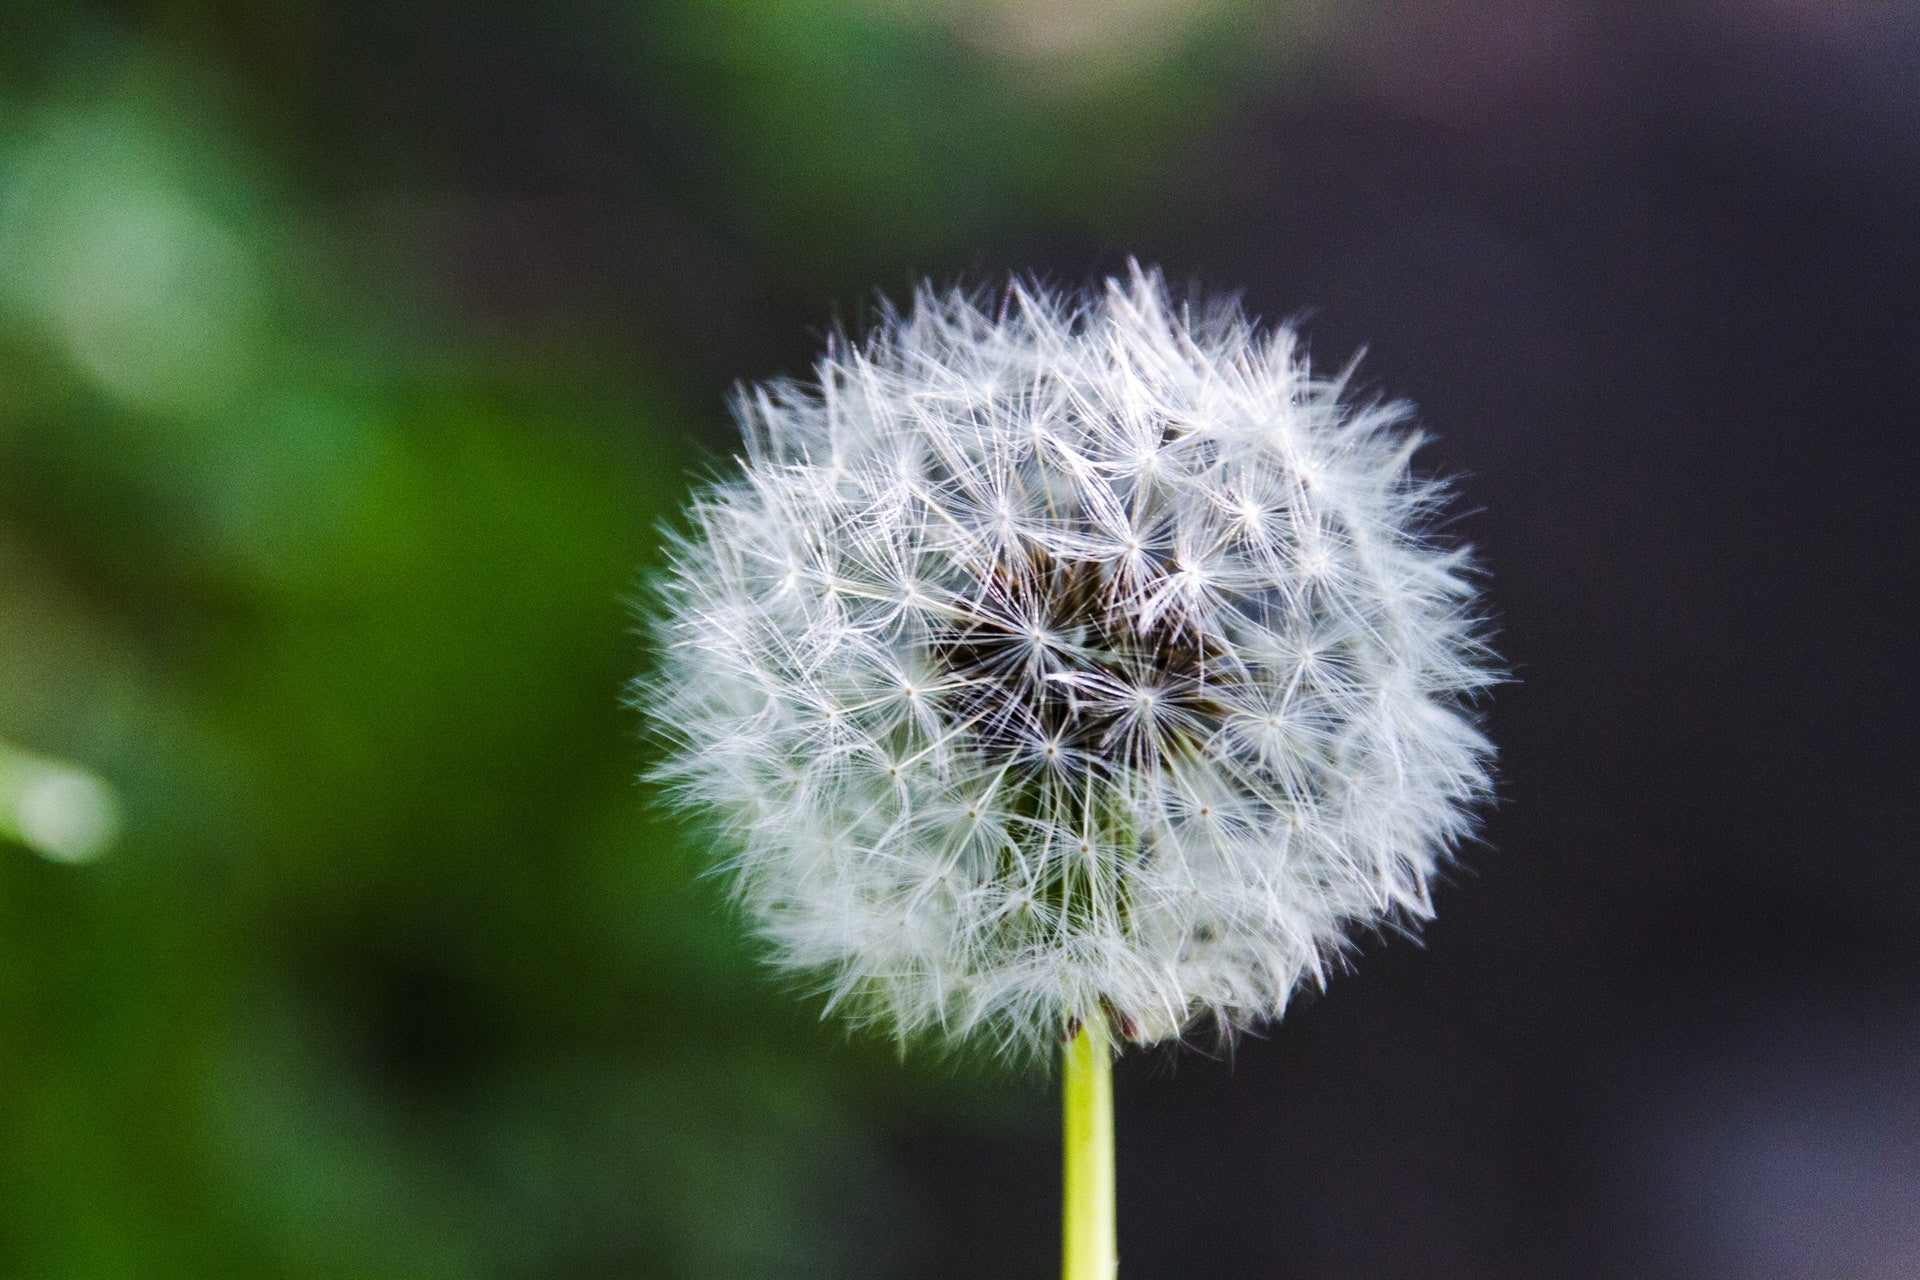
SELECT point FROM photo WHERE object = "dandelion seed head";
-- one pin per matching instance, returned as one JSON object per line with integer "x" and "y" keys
{"x": 1054, "y": 656}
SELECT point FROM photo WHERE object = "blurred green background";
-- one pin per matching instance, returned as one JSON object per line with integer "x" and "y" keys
{"x": 336, "y": 937}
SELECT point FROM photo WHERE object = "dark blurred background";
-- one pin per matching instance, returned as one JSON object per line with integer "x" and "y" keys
{"x": 350, "y": 357}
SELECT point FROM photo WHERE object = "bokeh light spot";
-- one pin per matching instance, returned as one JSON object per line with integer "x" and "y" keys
{"x": 58, "y": 810}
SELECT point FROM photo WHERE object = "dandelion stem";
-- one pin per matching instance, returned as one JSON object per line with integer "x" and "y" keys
{"x": 1088, "y": 1251}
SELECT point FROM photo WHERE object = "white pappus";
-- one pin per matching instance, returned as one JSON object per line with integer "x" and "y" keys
{"x": 1051, "y": 656}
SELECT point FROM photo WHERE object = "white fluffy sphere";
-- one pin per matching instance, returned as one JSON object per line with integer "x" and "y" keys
{"x": 1068, "y": 657}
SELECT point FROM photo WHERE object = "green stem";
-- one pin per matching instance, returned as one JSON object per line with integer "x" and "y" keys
{"x": 1088, "y": 1252}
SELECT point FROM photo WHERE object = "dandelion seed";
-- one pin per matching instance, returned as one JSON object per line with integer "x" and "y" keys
{"x": 1110, "y": 644}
